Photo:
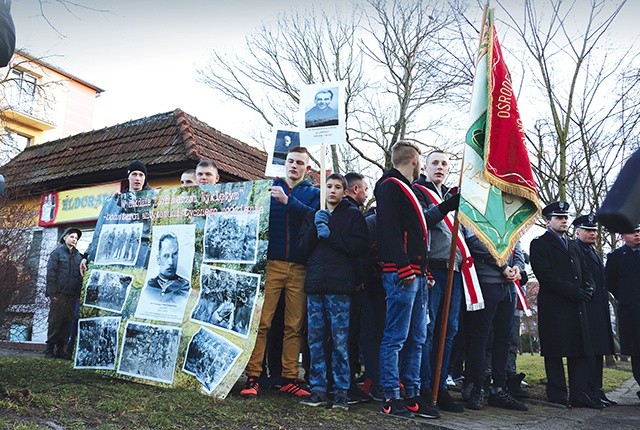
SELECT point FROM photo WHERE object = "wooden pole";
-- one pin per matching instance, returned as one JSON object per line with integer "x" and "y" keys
{"x": 323, "y": 177}
{"x": 446, "y": 303}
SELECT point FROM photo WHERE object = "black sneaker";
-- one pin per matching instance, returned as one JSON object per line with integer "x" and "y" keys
{"x": 316, "y": 398}
{"x": 465, "y": 393}
{"x": 376, "y": 393}
{"x": 476, "y": 399}
{"x": 420, "y": 408}
{"x": 340, "y": 401}
{"x": 514, "y": 386}
{"x": 395, "y": 408}
{"x": 446, "y": 402}
{"x": 502, "y": 399}
{"x": 356, "y": 395}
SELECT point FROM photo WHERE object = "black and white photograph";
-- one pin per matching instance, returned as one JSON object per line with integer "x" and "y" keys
{"x": 285, "y": 140}
{"x": 231, "y": 237}
{"x": 209, "y": 358}
{"x": 323, "y": 110}
{"x": 166, "y": 290}
{"x": 149, "y": 351}
{"x": 227, "y": 298}
{"x": 119, "y": 244}
{"x": 107, "y": 290}
{"x": 97, "y": 343}
{"x": 322, "y": 114}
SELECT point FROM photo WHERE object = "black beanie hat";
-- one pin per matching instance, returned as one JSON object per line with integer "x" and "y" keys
{"x": 136, "y": 165}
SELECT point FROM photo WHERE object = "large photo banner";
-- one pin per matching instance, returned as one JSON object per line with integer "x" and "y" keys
{"x": 174, "y": 288}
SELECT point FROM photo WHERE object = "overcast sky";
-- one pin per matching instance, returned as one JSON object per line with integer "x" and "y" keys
{"x": 144, "y": 53}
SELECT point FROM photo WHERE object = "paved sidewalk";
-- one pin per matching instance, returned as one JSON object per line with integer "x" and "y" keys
{"x": 543, "y": 415}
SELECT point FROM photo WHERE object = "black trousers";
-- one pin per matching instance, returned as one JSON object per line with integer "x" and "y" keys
{"x": 580, "y": 371}
{"x": 497, "y": 313}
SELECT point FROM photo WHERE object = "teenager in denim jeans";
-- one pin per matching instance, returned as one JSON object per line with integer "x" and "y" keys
{"x": 331, "y": 241}
{"x": 402, "y": 246}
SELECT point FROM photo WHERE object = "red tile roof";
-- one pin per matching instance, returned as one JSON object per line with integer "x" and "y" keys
{"x": 167, "y": 143}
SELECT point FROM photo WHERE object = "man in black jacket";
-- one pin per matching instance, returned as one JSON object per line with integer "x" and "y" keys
{"x": 586, "y": 231}
{"x": 402, "y": 248}
{"x": 622, "y": 280}
{"x": 64, "y": 283}
{"x": 565, "y": 286}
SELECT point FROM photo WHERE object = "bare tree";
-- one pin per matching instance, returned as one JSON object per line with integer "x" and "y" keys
{"x": 588, "y": 123}
{"x": 405, "y": 46}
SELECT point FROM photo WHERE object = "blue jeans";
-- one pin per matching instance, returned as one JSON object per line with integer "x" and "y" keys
{"x": 405, "y": 329}
{"x": 436, "y": 299}
{"x": 328, "y": 314}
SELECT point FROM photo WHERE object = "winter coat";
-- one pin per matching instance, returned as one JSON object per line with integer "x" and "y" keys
{"x": 598, "y": 307}
{"x": 63, "y": 272}
{"x": 332, "y": 263}
{"x": 562, "y": 321}
{"x": 623, "y": 282}
{"x": 285, "y": 220}
{"x": 402, "y": 245}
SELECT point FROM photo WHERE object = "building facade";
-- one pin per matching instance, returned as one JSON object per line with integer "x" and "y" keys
{"x": 64, "y": 182}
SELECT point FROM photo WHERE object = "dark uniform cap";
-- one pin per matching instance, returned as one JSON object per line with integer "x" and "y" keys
{"x": 69, "y": 231}
{"x": 560, "y": 208}
{"x": 588, "y": 222}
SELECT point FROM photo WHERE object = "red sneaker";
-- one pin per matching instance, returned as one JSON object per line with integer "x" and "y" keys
{"x": 294, "y": 388}
{"x": 251, "y": 388}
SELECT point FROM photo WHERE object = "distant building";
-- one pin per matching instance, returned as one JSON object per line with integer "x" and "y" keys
{"x": 40, "y": 102}
{"x": 64, "y": 181}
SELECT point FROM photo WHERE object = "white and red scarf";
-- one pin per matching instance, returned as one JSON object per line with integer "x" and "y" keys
{"x": 472, "y": 292}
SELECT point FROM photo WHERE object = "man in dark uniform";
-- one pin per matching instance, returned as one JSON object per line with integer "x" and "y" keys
{"x": 623, "y": 282}
{"x": 565, "y": 286}
{"x": 7, "y": 33}
{"x": 168, "y": 286}
{"x": 598, "y": 307}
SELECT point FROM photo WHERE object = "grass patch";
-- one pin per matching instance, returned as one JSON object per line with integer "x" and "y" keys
{"x": 36, "y": 391}
{"x": 533, "y": 366}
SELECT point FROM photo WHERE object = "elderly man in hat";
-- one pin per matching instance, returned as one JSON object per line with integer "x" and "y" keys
{"x": 586, "y": 232}
{"x": 565, "y": 286}
{"x": 64, "y": 283}
{"x": 622, "y": 279}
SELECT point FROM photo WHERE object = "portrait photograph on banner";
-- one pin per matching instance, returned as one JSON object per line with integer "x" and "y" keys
{"x": 149, "y": 351}
{"x": 322, "y": 110}
{"x": 227, "y": 299}
{"x": 209, "y": 358}
{"x": 231, "y": 238}
{"x": 283, "y": 139}
{"x": 119, "y": 244}
{"x": 168, "y": 284}
{"x": 97, "y": 343}
{"x": 107, "y": 290}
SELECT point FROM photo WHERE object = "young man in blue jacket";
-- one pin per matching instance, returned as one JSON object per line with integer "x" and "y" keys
{"x": 291, "y": 199}
{"x": 331, "y": 240}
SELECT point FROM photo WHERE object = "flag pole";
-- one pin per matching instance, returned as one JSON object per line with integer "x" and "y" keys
{"x": 446, "y": 303}
{"x": 323, "y": 177}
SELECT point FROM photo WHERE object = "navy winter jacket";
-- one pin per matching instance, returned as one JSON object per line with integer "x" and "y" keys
{"x": 332, "y": 266}
{"x": 285, "y": 220}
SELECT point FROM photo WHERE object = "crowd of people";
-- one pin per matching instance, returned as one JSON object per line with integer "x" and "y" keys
{"x": 361, "y": 294}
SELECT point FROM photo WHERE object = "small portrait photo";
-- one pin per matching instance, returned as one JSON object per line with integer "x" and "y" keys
{"x": 119, "y": 244}
{"x": 322, "y": 111}
{"x": 209, "y": 358}
{"x": 149, "y": 351}
{"x": 231, "y": 237}
{"x": 97, "y": 343}
{"x": 166, "y": 290}
{"x": 227, "y": 299}
{"x": 285, "y": 140}
{"x": 107, "y": 290}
